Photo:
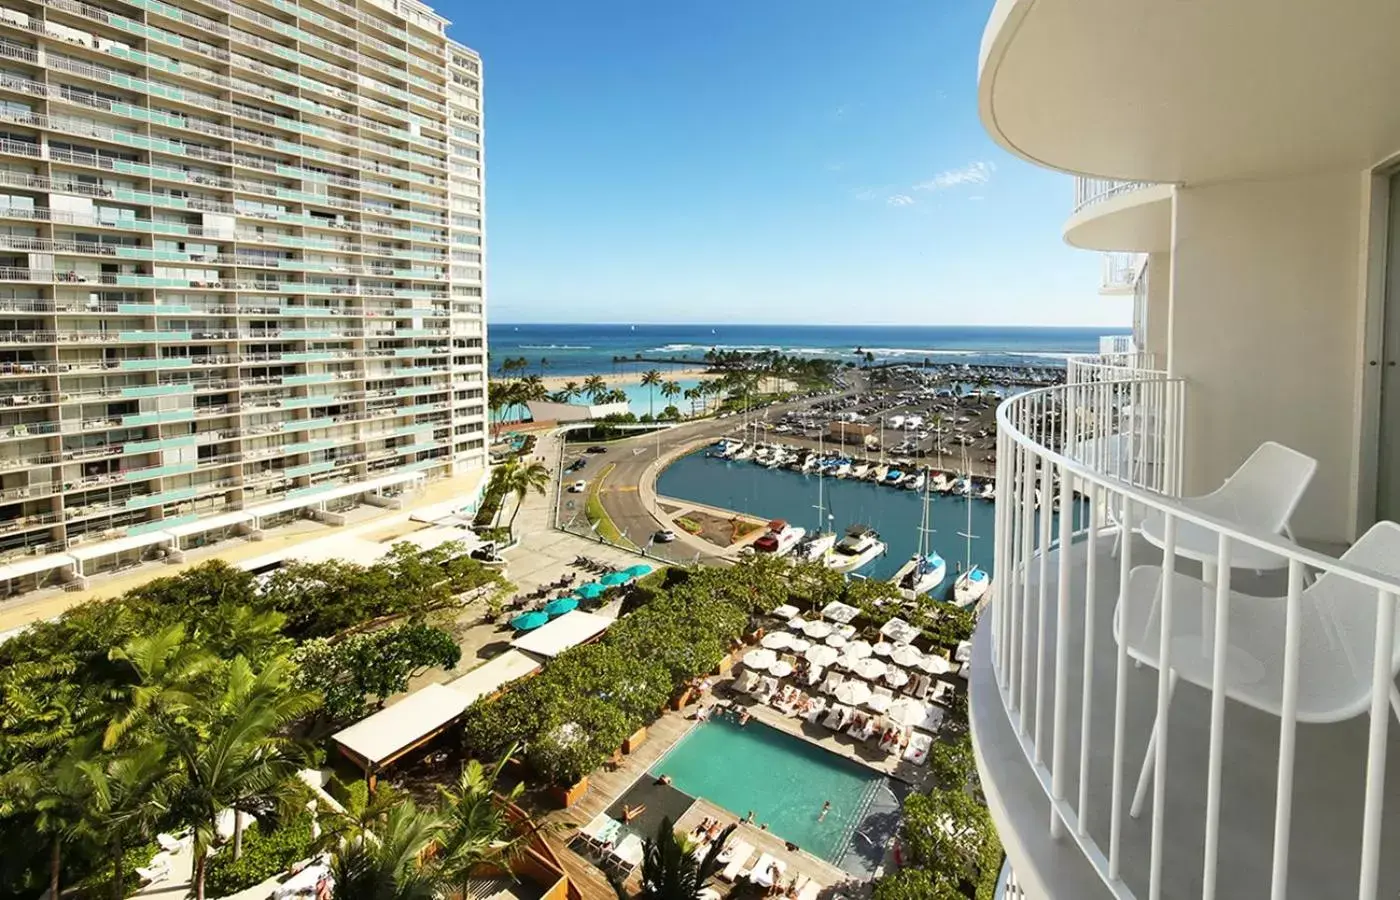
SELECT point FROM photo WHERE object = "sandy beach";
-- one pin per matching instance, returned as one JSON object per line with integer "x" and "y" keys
{"x": 627, "y": 379}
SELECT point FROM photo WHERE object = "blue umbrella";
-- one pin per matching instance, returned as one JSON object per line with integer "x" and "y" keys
{"x": 560, "y": 606}
{"x": 528, "y": 621}
{"x": 638, "y": 570}
{"x": 590, "y": 590}
{"x": 615, "y": 578}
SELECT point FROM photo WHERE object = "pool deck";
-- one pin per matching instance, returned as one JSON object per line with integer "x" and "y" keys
{"x": 610, "y": 783}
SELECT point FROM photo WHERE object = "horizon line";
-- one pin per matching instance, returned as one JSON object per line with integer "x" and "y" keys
{"x": 1124, "y": 328}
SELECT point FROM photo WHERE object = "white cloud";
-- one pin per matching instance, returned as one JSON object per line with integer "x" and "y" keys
{"x": 974, "y": 173}
{"x": 900, "y": 200}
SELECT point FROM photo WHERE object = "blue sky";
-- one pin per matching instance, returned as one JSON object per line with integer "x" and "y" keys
{"x": 760, "y": 161}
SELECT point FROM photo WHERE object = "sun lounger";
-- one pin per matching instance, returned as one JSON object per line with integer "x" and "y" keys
{"x": 169, "y": 843}
{"x": 818, "y": 708}
{"x": 859, "y": 727}
{"x": 943, "y": 693}
{"x": 766, "y": 689}
{"x": 749, "y": 682}
{"x": 922, "y": 685}
{"x": 836, "y": 719}
{"x": 158, "y": 870}
{"x": 763, "y": 874}
{"x": 602, "y": 830}
{"x": 917, "y": 752}
{"x": 627, "y": 855}
{"x": 734, "y": 857}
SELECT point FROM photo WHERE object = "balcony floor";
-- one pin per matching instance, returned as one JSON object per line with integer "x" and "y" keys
{"x": 1329, "y": 772}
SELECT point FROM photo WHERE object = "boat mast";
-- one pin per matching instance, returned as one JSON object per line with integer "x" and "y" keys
{"x": 967, "y": 498}
{"x": 820, "y": 508}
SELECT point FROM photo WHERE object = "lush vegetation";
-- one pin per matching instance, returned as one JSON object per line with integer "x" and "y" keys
{"x": 264, "y": 855}
{"x": 194, "y": 694}
{"x": 579, "y": 709}
{"x": 670, "y": 870}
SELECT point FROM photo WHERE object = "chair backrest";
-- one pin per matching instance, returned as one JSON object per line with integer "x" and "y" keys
{"x": 1339, "y": 631}
{"x": 1265, "y": 489}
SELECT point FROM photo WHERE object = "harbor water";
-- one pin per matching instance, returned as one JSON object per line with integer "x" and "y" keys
{"x": 895, "y": 513}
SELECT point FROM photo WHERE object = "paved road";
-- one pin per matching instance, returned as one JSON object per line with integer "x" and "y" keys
{"x": 627, "y": 500}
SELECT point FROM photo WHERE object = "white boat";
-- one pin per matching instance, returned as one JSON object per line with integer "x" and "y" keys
{"x": 877, "y": 473}
{"x": 818, "y": 543}
{"x": 860, "y": 470}
{"x": 842, "y": 469}
{"x": 780, "y": 539}
{"x": 776, "y": 458}
{"x": 860, "y": 545}
{"x": 925, "y": 570}
{"x": 744, "y": 452}
{"x": 810, "y": 463}
{"x": 941, "y": 484}
{"x": 971, "y": 587}
{"x": 989, "y": 491}
{"x": 914, "y": 482}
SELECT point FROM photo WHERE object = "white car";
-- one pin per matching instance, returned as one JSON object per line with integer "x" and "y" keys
{"x": 578, "y": 487}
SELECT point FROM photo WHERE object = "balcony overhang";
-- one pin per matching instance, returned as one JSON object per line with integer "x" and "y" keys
{"x": 1192, "y": 92}
{"x": 1135, "y": 221}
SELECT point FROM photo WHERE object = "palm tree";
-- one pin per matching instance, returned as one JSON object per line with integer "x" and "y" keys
{"x": 650, "y": 379}
{"x": 693, "y": 394}
{"x": 671, "y": 390}
{"x": 670, "y": 871}
{"x": 165, "y": 676}
{"x": 388, "y": 863}
{"x": 520, "y": 479}
{"x": 570, "y": 391}
{"x": 239, "y": 757}
{"x": 127, "y": 795}
{"x": 595, "y": 387}
{"x": 56, "y": 798}
{"x": 478, "y": 829}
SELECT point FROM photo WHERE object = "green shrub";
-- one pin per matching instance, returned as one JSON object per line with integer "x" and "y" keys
{"x": 263, "y": 856}
{"x": 99, "y": 882}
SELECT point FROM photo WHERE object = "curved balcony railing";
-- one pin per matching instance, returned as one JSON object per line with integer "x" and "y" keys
{"x": 1088, "y": 191}
{"x": 1102, "y": 450}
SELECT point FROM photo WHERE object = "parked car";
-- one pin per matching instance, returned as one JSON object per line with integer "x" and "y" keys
{"x": 664, "y": 536}
{"x": 578, "y": 487}
{"x": 597, "y": 449}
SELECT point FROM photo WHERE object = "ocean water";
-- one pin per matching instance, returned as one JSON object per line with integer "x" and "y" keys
{"x": 582, "y": 349}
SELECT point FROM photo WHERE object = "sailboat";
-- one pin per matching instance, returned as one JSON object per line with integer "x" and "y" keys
{"x": 971, "y": 586}
{"x": 924, "y": 571}
{"x": 819, "y": 541}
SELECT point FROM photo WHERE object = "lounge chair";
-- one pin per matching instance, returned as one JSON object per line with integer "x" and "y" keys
{"x": 833, "y": 680}
{"x": 157, "y": 871}
{"x": 784, "y": 700}
{"x": 858, "y": 727}
{"x": 749, "y": 682}
{"x": 922, "y": 685}
{"x": 917, "y": 751}
{"x": 943, "y": 693}
{"x": 767, "y": 688}
{"x": 734, "y": 856}
{"x": 818, "y": 707}
{"x": 836, "y": 719}
{"x": 763, "y": 874}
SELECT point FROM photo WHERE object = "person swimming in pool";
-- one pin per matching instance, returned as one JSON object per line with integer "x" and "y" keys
{"x": 826, "y": 808}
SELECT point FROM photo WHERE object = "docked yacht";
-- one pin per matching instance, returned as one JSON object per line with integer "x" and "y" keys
{"x": 971, "y": 587}
{"x": 780, "y": 539}
{"x": 941, "y": 484}
{"x": 922, "y": 574}
{"x": 892, "y": 478}
{"x": 814, "y": 547}
{"x": 745, "y": 451}
{"x": 914, "y": 482}
{"x": 860, "y": 545}
{"x": 860, "y": 470}
{"x": 877, "y": 473}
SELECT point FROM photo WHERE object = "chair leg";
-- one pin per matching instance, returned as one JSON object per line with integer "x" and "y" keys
{"x": 1146, "y": 775}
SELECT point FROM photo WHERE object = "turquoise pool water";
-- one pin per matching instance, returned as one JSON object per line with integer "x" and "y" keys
{"x": 783, "y": 779}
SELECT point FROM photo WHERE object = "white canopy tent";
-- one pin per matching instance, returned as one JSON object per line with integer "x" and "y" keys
{"x": 487, "y": 679}
{"x": 376, "y": 741}
{"x": 569, "y": 630}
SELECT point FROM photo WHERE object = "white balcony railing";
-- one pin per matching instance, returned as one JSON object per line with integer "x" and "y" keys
{"x": 1120, "y": 272}
{"x": 1219, "y": 821}
{"x": 1088, "y": 191}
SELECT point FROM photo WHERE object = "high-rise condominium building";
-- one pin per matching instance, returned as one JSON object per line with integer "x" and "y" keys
{"x": 240, "y": 267}
{"x": 1185, "y": 683}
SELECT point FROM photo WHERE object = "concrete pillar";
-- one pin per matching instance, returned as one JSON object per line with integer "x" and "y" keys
{"x": 1159, "y": 304}
{"x": 1264, "y": 305}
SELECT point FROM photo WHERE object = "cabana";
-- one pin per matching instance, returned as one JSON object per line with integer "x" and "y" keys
{"x": 488, "y": 679}
{"x": 211, "y": 530}
{"x": 36, "y": 572}
{"x": 377, "y": 742}
{"x": 569, "y": 630}
{"x": 123, "y": 553}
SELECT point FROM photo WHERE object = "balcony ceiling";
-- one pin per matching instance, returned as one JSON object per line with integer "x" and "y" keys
{"x": 1192, "y": 91}
{"x": 1135, "y": 221}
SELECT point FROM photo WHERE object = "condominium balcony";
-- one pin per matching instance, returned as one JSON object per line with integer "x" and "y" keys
{"x": 1191, "y": 92}
{"x": 1254, "y": 796}
{"x": 1121, "y": 216}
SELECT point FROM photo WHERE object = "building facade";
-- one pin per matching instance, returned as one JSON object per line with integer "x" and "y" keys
{"x": 1187, "y": 688}
{"x": 241, "y": 260}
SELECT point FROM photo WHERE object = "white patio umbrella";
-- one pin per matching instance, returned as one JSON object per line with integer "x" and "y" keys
{"x": 906, "y": 655}
{"x": 859, "y": 649}
{"x": 896, "y": 677}
{"x": 883, "y": 648}
{"x": 837, "y": 611}
{"x": 935, "y": 665}
{"x": 852, "y": 693}
{"x": 835, "y": 640}
{"x": 777, "y": 640}
{"x": 821, "y": 655}
{"x": 869, "y": 668}
{"x": 786, "y": 611}
{"x": 780, "y": 669}
{"x": 899, "y": 631}
{"x": 796, "y": 623}
{"x": 798, "y": 645}
{"x": 907, "y": 711}
{"x": 878, "y": 702}
{"x": 760, "y": 658}
{"x": 816, "y": 630}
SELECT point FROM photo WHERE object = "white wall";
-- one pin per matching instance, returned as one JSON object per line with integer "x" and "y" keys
{"x": 1264, "y": 312}
{"x": 1159, "y": 267}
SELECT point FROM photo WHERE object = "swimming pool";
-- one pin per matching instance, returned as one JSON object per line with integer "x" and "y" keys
{"x": 783, "y": 779}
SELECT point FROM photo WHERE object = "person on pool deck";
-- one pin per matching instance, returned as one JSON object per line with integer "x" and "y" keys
{"x": 826, "y": 808}
{"x": 631, "y": 812}
{"x": 748, "y": 820}
{"x": 744, "y": 717}
{"x": 664, "y": 779}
